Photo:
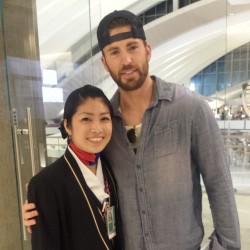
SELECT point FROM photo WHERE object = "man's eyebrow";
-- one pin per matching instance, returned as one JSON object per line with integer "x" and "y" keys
{"x": 132, "y": 43}
{"x": 113, "y": 47}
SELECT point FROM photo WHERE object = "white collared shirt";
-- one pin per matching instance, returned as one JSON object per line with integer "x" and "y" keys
{"x": 94, "y": 182}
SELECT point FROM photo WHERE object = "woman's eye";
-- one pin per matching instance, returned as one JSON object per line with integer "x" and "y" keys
{"x": 105, "y": 119}
{"x": 85, "y": 119}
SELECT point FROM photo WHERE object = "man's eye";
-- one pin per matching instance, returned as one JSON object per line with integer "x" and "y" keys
{"x": 114, "y": 52}
{"x": 133, "y": 47}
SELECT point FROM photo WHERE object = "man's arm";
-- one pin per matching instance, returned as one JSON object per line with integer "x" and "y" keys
{"x": 209, "y": 153}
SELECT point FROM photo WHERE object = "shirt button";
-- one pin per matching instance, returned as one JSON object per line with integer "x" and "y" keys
{"x": 143, "y": 211}
{"x": 138, "y": 166}
{"x": 141, "y": 189}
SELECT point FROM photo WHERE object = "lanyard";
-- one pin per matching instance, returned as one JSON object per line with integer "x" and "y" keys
{"x": 106, "y": 202}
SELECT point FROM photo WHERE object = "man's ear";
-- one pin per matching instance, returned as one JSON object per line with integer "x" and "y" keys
{"x": 148, "y": 51}
{"x": 104, "y": 63}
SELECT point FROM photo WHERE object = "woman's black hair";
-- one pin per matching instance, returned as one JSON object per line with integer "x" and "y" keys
{"x": 78, "y": 97}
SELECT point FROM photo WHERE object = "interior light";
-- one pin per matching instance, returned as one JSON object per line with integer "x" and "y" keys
{"x": 49, "y": 77}
{"x": 52, "y": 94}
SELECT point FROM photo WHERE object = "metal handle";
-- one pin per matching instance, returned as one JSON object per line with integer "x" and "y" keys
{"x": 16, "y": 132}
{"x": 28, "y": 132}
{"x": 31, "y": 142}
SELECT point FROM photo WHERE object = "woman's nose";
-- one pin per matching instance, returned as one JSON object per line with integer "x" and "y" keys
{"x": 96, "y": 127}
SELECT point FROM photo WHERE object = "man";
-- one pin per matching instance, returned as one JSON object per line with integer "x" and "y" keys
{"x": 164, "y": 138}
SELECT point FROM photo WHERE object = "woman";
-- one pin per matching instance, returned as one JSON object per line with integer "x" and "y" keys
{"x": 76, "y": 196}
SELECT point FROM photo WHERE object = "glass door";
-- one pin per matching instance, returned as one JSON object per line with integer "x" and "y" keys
{"x": 22, "y": 116}
{"x": 46, "y": 51}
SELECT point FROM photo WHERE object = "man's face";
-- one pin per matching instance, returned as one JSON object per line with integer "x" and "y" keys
{"x": 127, "y": 60}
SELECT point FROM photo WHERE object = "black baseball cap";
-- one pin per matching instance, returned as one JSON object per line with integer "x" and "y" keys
{"x": 103, "y": 36}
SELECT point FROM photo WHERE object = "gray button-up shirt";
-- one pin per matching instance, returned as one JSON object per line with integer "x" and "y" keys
{"x": 159, "y": 187}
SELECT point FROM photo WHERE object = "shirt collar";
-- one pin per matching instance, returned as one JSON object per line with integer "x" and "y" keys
{"x": 163, "y": 91}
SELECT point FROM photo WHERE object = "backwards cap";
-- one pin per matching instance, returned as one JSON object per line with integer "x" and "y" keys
{"x": 103, "y": 36}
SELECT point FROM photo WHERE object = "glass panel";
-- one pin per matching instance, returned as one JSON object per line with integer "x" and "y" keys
{"x": 197, "y": 83}
{"x": 183, "y": 3}
{"x": 161, "y": 8}
{"x": 224, "y": 80}
{"x": 23, "y": 113}
{"x": 150, "y": 15}
{"x": 65, "y": 65}
{"x": 209, "y": 87}
{"x": 221, "y": 81}
{"x": 169, "y": 6}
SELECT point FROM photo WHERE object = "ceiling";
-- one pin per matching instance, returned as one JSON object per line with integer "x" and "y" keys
{"x": 183, "y": 42}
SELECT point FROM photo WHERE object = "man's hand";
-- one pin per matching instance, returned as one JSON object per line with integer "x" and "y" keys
{"x": 29, "y": 214}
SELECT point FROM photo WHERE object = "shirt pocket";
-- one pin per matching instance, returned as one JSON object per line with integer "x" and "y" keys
{"x": 165, "y": 138}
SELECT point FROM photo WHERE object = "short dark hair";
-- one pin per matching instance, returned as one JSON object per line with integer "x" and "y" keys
{"x": 78, "y": 97}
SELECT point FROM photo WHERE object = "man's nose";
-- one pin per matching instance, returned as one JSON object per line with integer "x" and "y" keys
{"x": 126, "y": 58}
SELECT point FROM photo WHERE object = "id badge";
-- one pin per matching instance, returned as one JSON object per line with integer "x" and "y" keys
{"x": 110, "y": 222}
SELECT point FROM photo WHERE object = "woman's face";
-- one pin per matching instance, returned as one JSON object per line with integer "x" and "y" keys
{"x": 91, "y": 126}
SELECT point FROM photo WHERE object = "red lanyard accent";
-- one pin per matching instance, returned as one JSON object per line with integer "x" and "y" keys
{"x": 88, "y": 159}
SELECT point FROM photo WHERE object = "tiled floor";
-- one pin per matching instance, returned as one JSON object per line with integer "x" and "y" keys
{"x": 243, "y": 204}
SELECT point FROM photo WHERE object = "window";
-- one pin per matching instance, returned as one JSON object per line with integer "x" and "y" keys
{"x": 227, "y": 71}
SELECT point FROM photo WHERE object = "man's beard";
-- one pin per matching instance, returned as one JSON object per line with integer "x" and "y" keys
{"x": 126, "y": 86}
